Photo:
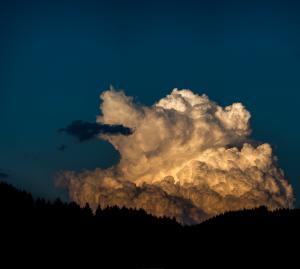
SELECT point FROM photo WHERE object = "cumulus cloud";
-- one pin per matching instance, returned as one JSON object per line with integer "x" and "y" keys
{"x": 83, "y": 130}
{"x": 188, "y": 158}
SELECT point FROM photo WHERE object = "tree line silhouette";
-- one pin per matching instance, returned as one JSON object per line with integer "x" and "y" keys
{"x": 57, "y": 229}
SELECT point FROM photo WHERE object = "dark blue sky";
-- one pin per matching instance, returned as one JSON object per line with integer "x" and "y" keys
{"x": 57, "y": 56}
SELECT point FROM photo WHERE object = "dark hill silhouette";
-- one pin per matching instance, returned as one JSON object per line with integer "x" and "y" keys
{"x": 64, "y": 231}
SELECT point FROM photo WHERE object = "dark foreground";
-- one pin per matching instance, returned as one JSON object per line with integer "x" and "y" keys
{"x": 36, "y": 232}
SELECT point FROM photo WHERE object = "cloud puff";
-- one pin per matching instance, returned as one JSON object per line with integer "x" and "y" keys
{"x": 83, "y": 130}
{"x": 187, "y": 157}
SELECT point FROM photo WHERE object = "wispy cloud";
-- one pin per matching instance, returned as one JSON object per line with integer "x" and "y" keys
{"x": 83, "y": 130}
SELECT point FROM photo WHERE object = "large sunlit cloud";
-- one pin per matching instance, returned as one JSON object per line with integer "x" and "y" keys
{"x": 187, "y": 158}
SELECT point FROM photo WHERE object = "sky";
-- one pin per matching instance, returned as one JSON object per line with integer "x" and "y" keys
{"x": 56, "y": 57}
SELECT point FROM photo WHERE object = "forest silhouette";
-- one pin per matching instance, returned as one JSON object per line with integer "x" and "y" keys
{"x": 57, "y": 230}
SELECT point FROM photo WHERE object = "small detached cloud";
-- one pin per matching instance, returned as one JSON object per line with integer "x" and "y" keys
{"x": 62, "y": 147}
{"x": 84, "y": 131}
{"x": 3, "y": 175}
